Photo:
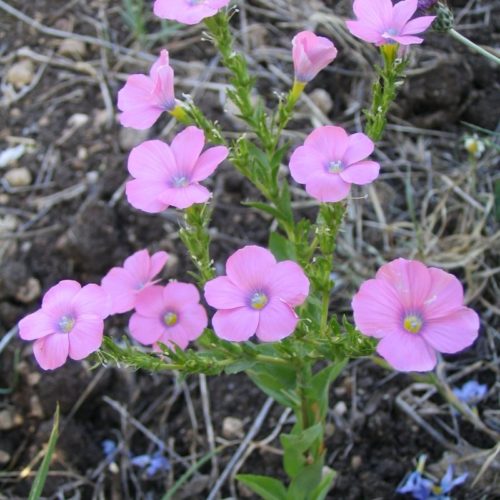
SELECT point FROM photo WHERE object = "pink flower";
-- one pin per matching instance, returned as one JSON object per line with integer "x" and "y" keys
{"x": 170, "y": 315}
{"x": 257, "y": 296}
{"x": 330, "y": 161}
{"x": 380, "y": 22}
{"x": 144, "y": 98}
{"x": 169, "y": 175}
{"x": 69, "y": 323}
{"x": 188, "y": 11}
{"x": 415, "y": 311}
{"x": 311, "y": 53}
{"x": 124, "y": 285}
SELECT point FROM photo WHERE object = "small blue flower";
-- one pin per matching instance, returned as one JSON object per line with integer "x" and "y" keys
{"x": 417, "y": 485}
{"x": 422, "y": 488}
{"x": 471, "y": 392}
{"x": 153, "y": 463}
{"x": 108, "y": 447}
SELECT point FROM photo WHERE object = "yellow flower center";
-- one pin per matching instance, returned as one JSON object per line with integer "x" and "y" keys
{"x": 66, "y": 324}
{"x": 170, "y": 319}
{"x": 412, "y": 323}
{"x": 259, "y": 300}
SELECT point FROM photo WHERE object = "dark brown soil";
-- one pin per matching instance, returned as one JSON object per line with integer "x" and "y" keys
{"x": 372, "y": 443}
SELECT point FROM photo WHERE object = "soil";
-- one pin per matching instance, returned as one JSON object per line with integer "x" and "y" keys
{"x": 72, "y": 222}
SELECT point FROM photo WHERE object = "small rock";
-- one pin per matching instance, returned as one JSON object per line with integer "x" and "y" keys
{"x": 232, "y": 428}
{"x": 29, "y": 291}
{"x": 4, "y": 198}
{"x": 78, "y": 120}
{"x": 356, "y": 462}
{"x": 8, "y": 223}
{"x": 11, "y": 155}
{"x": 322, "y": 99}
{"x": 73, "y": 48}
{"x": 34, "y": 378}
{"x": 18, "y": 177}
{"x": 4, "y": 457}
{"x": 9, "y": 420}
{"x": 340, "y": 408}
{"x": 128, "y": 138}
{"x": 21, "y": 73}
{"x": 36, "y": 407}
{"x": 82, "y": 153}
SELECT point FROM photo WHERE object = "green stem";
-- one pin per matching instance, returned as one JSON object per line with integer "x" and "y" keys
{"x": 462, "y": 39}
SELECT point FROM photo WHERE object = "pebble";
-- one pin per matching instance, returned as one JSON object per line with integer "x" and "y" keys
{"x": 257, "y": 35}
{"x": 8, "y": 223}
{"x": 4, "y": 457}
{"x": 322, "y": 99}
{"x": 340, "y": 408}
{"x": 30, "y": 291}
{"x": 129, "y": 138}
{"x": 36, "y": 407}
{"x": 21, "y": 73}
{"x": 78, "y": 120}
{"x": 9, "y": 420}
{"x": 72, "y": 48}
{"x": 18, "y": 177}
{"x": 356, "y": 462}
{"x": 34, "y": 378}
{"x": 232, "y": 428}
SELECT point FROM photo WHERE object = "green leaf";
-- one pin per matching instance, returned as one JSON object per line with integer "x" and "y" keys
{"x": 279, "y": 382}
{"x": 239, "y": 366}
{"x": 324, "y": 486}
{"x": 281, "y": 248}
{"x": 321, "y": 383}
{"x": 295, "y": 446}
{"x": 267, "y": 487}
{"x": 305, "y": 481}
{"x": 41, "y": 475}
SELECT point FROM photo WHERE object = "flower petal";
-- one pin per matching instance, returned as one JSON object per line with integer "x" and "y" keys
{"x": 146, "y": 330}
{"x": 407, "y": 352}
{"x": 157, "y": 263}
{"x": 377, "y": 13}
{"x": 91, "y": 299}
{"x": 402, "y": 12}
{"x": 327, "y": 187}
{"x": 153, "y": 161}
{"x": 119, "y": 284}
{"x": 208, "y": 162}
{"x": 222, "y": 293}
{"x": 305, "y": 162}
{"x": 192, "y": 322}
{"x": 411, "y": 279}
{"x": 249, "y": 267}
{"x": 236, "y": 325}
{"x": 187, "y": 146}
{"x": 417, "y": 25}
{"x": 407, "y": 40}
{"x": 446, "y": 294}
{"x": 36, "y": 325}
{"x": 452, "y": 333}
{"x": 359, "y": 147}
{"x": 361, "y": 173}
{"x": 57, "y": 301}
{"x": 277, "y": 321}
{"x": 144, "y": 195}
{"x": 377, "y": 308}
{"x": 150, "y": 302}
{"x": 288, "y": 282}
{"x": 85, "y": 337}
{"x": 363, "y": 31}
{"x": 184, "y": 197}
{"x": 329, "y": 141}
{"x": 178, "y": 296}
{"x": 51, "y": 352}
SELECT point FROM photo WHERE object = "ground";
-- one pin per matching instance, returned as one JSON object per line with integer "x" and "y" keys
{"x": 63, "y": 215}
